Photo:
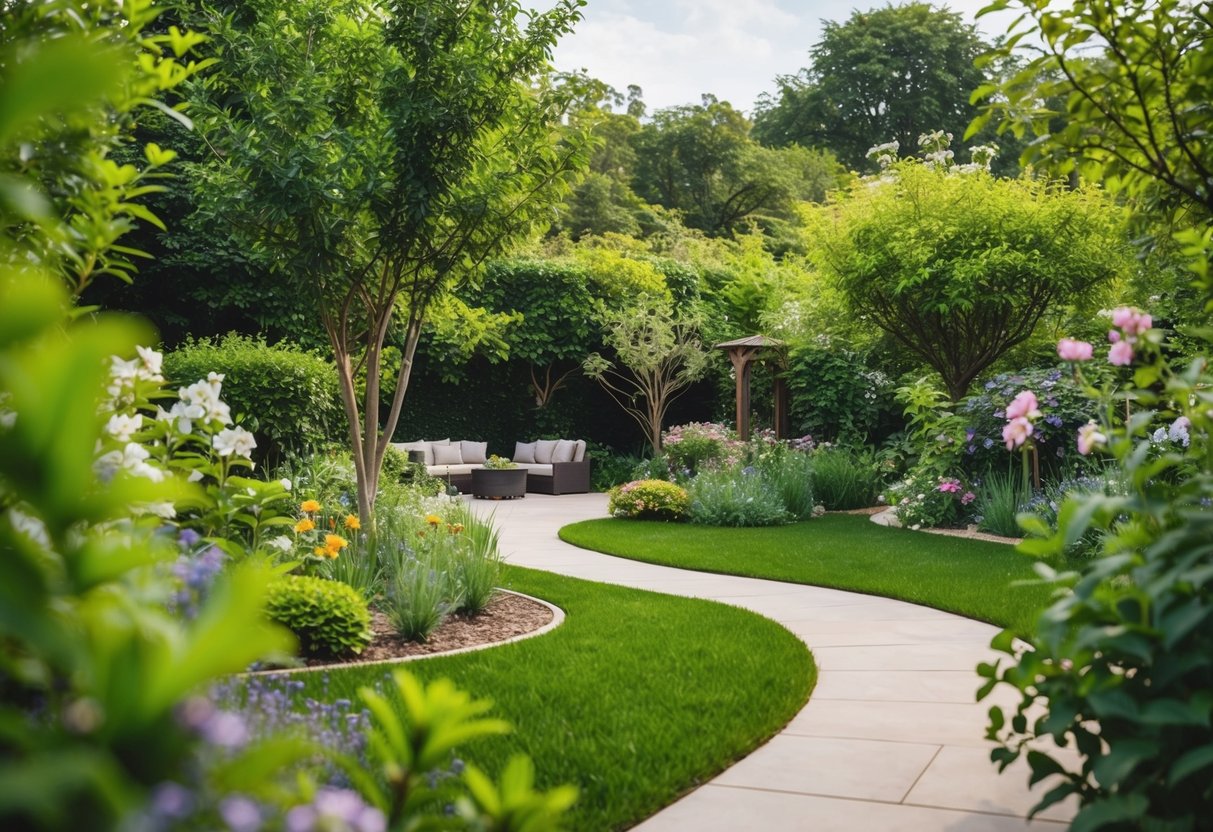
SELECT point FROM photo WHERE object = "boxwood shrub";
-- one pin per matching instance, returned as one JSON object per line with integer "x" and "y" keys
{"x": 286, "y": 396}
{"x": 328, "y": 617}
{"x": 649, "y": 500}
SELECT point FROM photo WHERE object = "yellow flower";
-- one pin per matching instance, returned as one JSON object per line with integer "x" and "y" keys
{"x": 433, "y": 519}
{"x": 309, "y": 506}
{"x": 335, "y": 542}
{"x": 304, "y": 525}
{"x": 352, "y": 523}
{"x": 320, "y": 550}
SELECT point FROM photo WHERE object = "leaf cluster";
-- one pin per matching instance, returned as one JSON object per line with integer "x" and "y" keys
{"x": 328, "y": 617}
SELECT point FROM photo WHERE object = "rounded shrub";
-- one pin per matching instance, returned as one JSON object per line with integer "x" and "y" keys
{"x": 328, "y": 617}
{"x": 696, "y": 444}
{"x": 649, "y": 500}
{"x": 736, "y": 497}
{"x": 288, "y": 397}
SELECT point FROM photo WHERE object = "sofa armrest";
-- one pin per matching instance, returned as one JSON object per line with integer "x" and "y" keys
{"x": 571, "y": 477}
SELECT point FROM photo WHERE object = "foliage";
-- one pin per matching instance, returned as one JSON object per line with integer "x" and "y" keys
{"x": 658, "y": 355}
{"x": 1134, "y": 77}
{"x": 1000, "y": 498}
{"x": 888, "y": 73}
{"x": 735, "y": 497}
{"x": 790, "y": 473}
{"x": 845, "y": 477}
{"x": 1047, "y": 504}
{"x": 409, "y": 142}
{"x": 700, "y": 160}
{"x": 835, "y": 393}
{"x": 328, "y": 617}
{"x": 76, "y": 76}
{"x": 495, "y": 462}
{"x": 927, "y": 499}
{"x": 1124, "y": 658}
{"x": 650, "y": 500}
{"x": 288, "y": 398}
{"x": 959, "y": 267}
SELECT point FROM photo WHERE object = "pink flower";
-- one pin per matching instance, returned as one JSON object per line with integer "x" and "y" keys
{"x": 968, "y": 497}
{"x": 1121, "y": 354}
{"x": 1071, "y": 350}
{"x": 1131, "y": 321}
{"x": 1113, "y": 336}
{"x": 949, "y": 486}
{"x": 1023, "y": 406}
{"x": 1090, "y": 438}
{"x": 1122, "y": 317}
{"x": 1017, "y": 432}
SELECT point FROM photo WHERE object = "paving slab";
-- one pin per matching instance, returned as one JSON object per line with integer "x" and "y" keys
{"x": 891, "y": 740}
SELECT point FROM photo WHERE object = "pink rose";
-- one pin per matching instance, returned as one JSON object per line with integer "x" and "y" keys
{"x": 1016, "y": 432}
{"x": 1023, "y": 406}
{"x": 1113, "y": 336}
{"x": 1072, "y": 350}
{"x": 1122, "y": 317}
{"x": 1090, "y": 438}
{"x": 1121, "y": 354}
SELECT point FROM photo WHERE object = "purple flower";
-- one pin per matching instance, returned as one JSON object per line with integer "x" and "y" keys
{"x": 241, "y": 814}
{"x": 225, "y": 729}
{"x": 341, "y": 805}
{"x": 170, "y": 800}
{"x": 188, "y": 538}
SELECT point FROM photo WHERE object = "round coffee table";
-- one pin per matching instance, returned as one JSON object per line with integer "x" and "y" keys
{"x": 498, "y": 483}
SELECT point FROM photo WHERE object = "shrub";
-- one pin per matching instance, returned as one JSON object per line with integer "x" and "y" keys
{"x": 691, "y": 446}
{"x": 478, "y": 563}
{"x": 287, "y": 397}
{"x": 790, "y": 475}
{"x": 421, "y": 593}
{"x": 649, "y": 500}
{"x": 610, "y": 468}
{"x": 1047, "y": 505}
{"x": 328, "y": 617}
{"x": 999, "y": 500}
{"x": 927, "y": 499}
{"x": 735, "y": 497}
{"x": 836, "y": 395}
{"x": 845, "y": 478}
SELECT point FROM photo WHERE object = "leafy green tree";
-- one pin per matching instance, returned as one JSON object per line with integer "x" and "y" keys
{"x": 1134, "y": 80}
{"x": 378, "y": 154}
{"x": 892, "y": 73}
{"x": 658, "y": 355}
{"x": 700, "y": 161}
{"x": 959, "y": 267}
{"x": 64, "y": 197}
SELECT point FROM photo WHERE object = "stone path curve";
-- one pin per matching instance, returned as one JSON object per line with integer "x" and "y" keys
{"x": 891, "y": 739}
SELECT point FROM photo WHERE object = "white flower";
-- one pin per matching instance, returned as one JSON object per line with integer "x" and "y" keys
{"x": 7, "y": 419}
{"x": 236, "y": 441}
{"x": 162, "y": 509}
{"x": 152, "y": 362}
{"x": 31, "y": 527}
{"x": 285, "y": 483}
{"x": 195, "y": 476}
{"x": 123, "y": 427}
{"x": 121, "y": 370}
{"x": 282, "y": 543}
{"x": 131, "y": 458}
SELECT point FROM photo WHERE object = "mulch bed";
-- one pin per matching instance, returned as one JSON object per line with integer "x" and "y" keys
{"x": 507, "y": 615}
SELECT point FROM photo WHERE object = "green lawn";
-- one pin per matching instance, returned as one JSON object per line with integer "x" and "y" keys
{"x": 636, "y": 698}
{"x": 971, "y": 577}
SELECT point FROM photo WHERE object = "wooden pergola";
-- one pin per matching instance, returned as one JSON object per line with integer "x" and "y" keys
{"x": 742, "y": 352}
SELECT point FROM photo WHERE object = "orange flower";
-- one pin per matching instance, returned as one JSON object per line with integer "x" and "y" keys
{"x": 455, "y": 528}
{"x": 352, "y": 523}
{"x": 335, "y": 542}
{"x": 332, "y": 522}
{"x": 309, "y": 506}
{"x": 320, "y": 550}
{"x": 304, "y": 525}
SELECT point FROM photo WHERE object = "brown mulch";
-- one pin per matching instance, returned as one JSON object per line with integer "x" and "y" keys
{"x": 507, "y": 615}
{"x": 869, "y": 510}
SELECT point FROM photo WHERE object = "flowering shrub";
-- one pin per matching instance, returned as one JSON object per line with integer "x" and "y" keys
{"x": 1123, "y": 658}
{"x": 649, "y": 500}
{"x": 328, "y": 617}
{"x": 735, "y": 497}
{"x": 927, "y": 499}
{"x": 695, "y": 445}
{"x": 496, "y": 462}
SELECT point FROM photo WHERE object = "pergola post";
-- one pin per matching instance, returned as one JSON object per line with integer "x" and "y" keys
{"x": 741, "y": 353}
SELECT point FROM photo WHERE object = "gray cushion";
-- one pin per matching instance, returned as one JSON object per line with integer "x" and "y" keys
{"x": 447, "y": 455}
{"x": 424, "y": 447}
{"x": 543, "y": 451}
{"x": 453, "y": 470}
{"x": 534, "y": 469}
{"x": 524, "y": 451}
{"x": 474, "y": 451}
{"x": 564, "y": 451}
{"x": 579, "y": 454}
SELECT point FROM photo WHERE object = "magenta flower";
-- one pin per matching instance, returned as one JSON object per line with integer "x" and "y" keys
{"x": 1120, "y": 354}
{"x": 1131, "y": 321}
{"x": 968, "y": 497}
{"x": 949, "y": 485}
{"x": 1072, "y": 350}
{"x": 1023, "y": 406}
{"x": 1090, "y": 438}
{"x": 1017, "y": 431}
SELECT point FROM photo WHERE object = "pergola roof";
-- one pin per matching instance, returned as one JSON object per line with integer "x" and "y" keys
{"x": 750, "y": 341}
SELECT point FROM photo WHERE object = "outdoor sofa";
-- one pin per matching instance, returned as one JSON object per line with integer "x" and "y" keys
{"x": 553, "y": 466}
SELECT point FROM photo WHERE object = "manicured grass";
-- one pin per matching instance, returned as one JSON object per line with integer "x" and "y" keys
{"x": 970, "y": 577}
{"x": 636, "y": 698}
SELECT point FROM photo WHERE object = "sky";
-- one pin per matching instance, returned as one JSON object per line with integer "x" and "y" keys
{"x": 676, "y": 50}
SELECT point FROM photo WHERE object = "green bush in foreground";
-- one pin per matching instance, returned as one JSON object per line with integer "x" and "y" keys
{"x": 649, "y": 500}
{"x": 328, "y": 617}
{"x": 735, "y": 497}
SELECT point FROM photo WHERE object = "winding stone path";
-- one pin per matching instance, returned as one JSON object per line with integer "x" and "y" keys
{"x": 891, "y": 739}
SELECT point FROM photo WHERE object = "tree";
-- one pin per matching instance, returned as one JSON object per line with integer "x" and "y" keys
{"x": 701, "y": 161}
{"x": 378, "y": 154}
{"x": 64, "y": 199}
{"x": 958, "y": 267}
{"x": 658, "y": 355}
{"x": 1135, "y": 79}
{"x": 884, "y": 74}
